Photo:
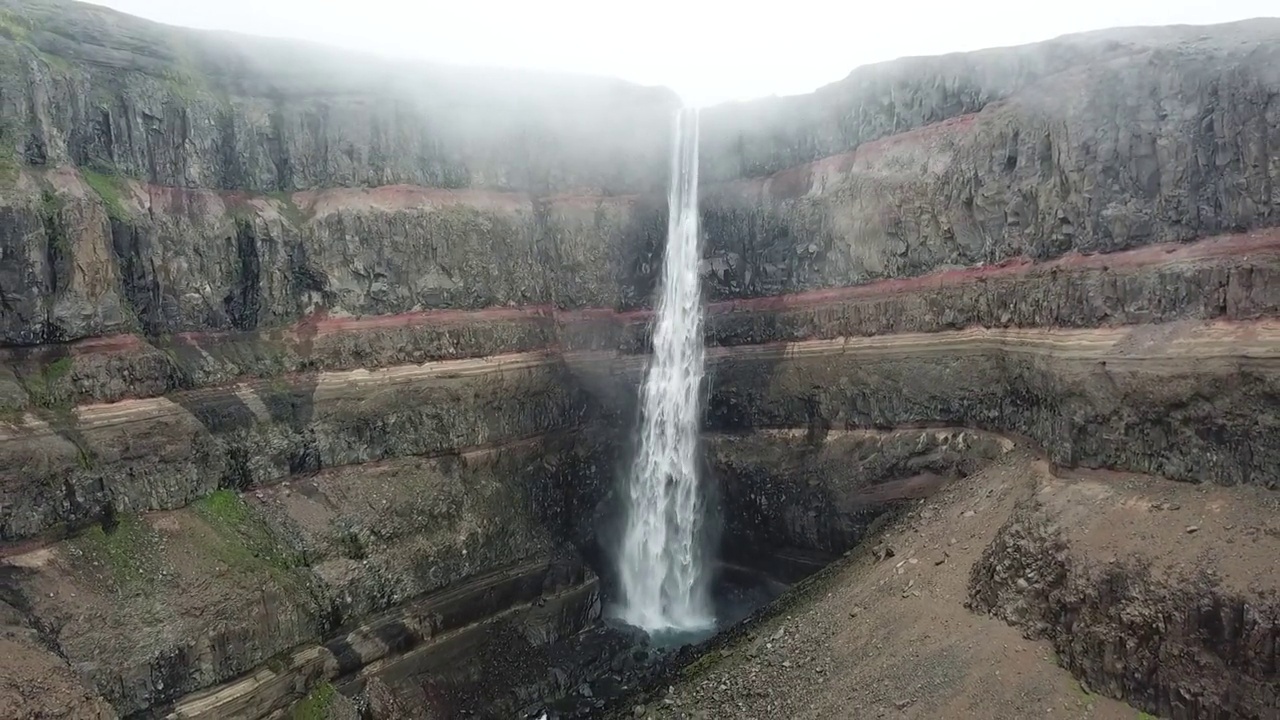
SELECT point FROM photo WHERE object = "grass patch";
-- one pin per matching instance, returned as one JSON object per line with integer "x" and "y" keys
{"x": 16, "y": 27}
{"x": 50, "y": 204}
{"x": 247, "y": 543}
{"x": 10, "y": 165}
{"x": 57, "y": 369}
{"x": 225, "y": 508}
{"x": 129, "y": 553}
{"x": 45, "y": 389}
{"x": 84, "y": 458}
{"x": 108, "y": 188}
{"x": 315, "y": 706}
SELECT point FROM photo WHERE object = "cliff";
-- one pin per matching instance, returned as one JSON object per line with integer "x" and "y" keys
{"x": 162, "y": 180}
{"x": 311, "y": 360}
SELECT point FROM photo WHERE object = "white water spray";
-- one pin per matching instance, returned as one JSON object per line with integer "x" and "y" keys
{"x": 662, "y": 563}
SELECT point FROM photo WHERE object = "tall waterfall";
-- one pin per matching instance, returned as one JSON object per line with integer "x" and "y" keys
{"x": 662, "y": 571}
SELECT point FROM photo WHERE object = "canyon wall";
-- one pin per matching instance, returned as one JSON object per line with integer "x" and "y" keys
{"x": 304, "y": 352}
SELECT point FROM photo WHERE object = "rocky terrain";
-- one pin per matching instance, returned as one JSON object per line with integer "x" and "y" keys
{"x": 316, "y": 373}
{"x": 1020, "y": 592}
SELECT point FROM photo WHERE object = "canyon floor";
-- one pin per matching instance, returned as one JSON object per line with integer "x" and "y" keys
{"x": 880, "y": 635}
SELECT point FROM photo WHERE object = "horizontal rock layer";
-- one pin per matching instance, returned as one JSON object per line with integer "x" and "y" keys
{"x": 821, "y": 491}
{"x": 89, "y": 255}
{"x": 418, "y": 633}
{"x": 257, "y": 407}
{"x": 150, "y": 608}
{"x": 361, "y": 538}
{"x": 71, "y": 465}
{"x": 1186, "y": 401}
{"x": 1167, "y": 135}
{"x": 1155, "y": 75}
{"x": 1234, "y": 277}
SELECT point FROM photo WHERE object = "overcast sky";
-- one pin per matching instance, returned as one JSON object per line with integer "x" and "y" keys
{"x": 707, "y": 50}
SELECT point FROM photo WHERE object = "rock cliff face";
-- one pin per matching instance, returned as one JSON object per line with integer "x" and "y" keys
{"x": 1090, "y": 144}
{"x": 308, "y": 360}
{"x": 161, "y": 181}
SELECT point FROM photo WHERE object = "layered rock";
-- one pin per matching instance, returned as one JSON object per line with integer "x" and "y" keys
{"x": 1182, "y": 624}
{"x": 304, "y": 352}
{"x": 821, "y": 491}
{"x": 151, "y": 608}
{"x": 1090, "y": 143}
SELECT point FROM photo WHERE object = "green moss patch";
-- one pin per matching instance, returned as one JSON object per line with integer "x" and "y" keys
{"x": 15, "y": 27}
{"x": 109, "y": 188}
{"x": 246, "y": 542}
{"x": 50, "y": 387}
{"x": 129, "y": 553}
{"x": 316, "y": 705}
{"x": 9, "y": 162}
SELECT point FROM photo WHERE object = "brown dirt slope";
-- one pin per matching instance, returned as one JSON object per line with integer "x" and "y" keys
{"x": 37, "y": 684}
{"x": 891, "y": 637}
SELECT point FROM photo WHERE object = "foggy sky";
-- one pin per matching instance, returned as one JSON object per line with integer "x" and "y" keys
{"x": 707, "y": 50}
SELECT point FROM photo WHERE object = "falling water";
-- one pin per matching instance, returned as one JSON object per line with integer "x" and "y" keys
{"x": 661, "y": 570}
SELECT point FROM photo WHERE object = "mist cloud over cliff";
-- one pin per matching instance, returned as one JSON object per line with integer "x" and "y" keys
{"x": 707, "y": 50}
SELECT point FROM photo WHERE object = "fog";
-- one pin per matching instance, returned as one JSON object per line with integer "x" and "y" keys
{"x": 707, "y": 50}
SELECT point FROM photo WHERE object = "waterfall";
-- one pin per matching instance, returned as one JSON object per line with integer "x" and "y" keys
{"x": 662, "y": 568}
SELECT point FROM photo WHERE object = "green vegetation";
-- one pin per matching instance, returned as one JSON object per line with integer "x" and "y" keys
{"x": 18, "y": 28}
{"x": 15, "y": 27}
{"x": 1146, "y": 716}
{"x": 43, "y": 389}
{"x": 128, "y": 553}
{"x": 108, "y": 187}
{"x": 9, "y": 165}
{"x": 50, "y": 204}
{"x": 224, "y": 508}
{"x": 51, "y": 207}
{"x": 247, "y": 543}
{"x": 315, "y": 706}
{"x": 84, "y": 458}
{"x": 57, "y": 369}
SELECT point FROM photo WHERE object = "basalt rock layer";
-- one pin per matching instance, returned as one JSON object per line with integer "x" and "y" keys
{"x": 313, "y": 364}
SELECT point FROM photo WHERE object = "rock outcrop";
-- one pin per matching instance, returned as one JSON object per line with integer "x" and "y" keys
{"x": 310, "y": 362}
{"x": 1091, "y": 143}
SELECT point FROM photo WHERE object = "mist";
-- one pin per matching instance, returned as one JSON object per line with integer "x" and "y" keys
{"x": 719, "y": 51}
